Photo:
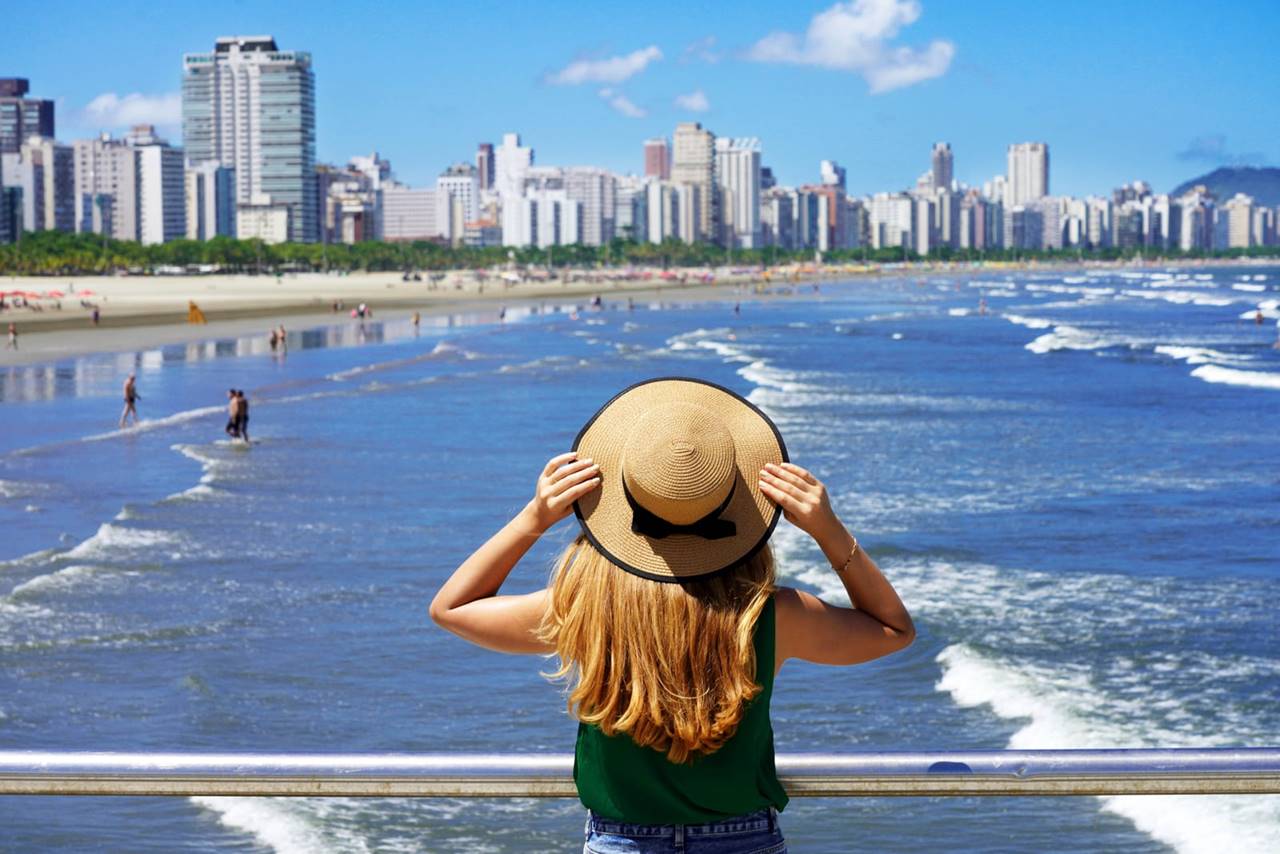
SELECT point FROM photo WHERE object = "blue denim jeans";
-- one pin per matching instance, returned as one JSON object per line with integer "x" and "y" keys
{"x": 753, "y": 833}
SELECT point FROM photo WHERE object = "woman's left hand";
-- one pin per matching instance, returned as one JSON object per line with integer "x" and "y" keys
{"x": 564, "y": 480}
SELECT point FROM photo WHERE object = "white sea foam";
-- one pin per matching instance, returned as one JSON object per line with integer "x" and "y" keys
{"x": 1200, "y": 355}
{"x": 1168, "y": 696}
{"x": 959, "y": 312}
{"x": 1180, "y": 297}
{"x": 1069, "y": 338}
{"x": 1029, "y": 322}
{"x": 1071, "y": 289}
{"x": 1250, "y": 288}
{"x": 284, "y": 826}
{"x": 1268, "y": 308}
{"x": 724, "y": 350}
{"x": 59, "y": 580}
{"x": 1234, "y": 376}
{"x": 1062, "y": 709}
{"x": 111, "y": 539}
{"x": 148, "y": 424}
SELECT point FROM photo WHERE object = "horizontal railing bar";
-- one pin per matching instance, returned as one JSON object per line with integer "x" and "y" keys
{"x": 1007, "y": 772}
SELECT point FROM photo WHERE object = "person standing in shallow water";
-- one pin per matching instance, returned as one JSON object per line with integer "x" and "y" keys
{"x": 131, "y": 398}
{"x": 13, "y": 337}
{"x": 665, "y": 615}
{"x": 233, "y": 414}
{"x": 242, "y": 415}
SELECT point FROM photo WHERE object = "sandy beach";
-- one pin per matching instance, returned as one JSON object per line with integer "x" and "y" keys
{"x": 149, "y": 311}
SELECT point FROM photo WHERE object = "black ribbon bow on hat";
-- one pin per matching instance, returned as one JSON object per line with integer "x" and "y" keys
{"x": 709, "y": 527}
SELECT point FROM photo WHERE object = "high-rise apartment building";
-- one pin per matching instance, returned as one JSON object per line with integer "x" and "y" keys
{"x": 211, "y": 201}
{"x": 130, "y": 189}
{"x": 510, "y": 161}
{"x": 162, "y": 208}
{"x": 1238, "y": 215}
{"x": 45, "y": 170}
{"x": 250, "y": 106}
{"x": 20, "y": 116}
{"x": 832, "y": 174}
{"x": 738, "y": 184}
{"x": 484, "y": 165}
{"x": 457, "y": 200}
{"x": 942, "y": 165}
{"x": 693, "y": 163}
{"x": 106, "y": 187}
{"x": 596, "y": 190}
{"x": 409, "y": 213}
{"x": 657, "y": 158}
{"x": 1028, "y": 173}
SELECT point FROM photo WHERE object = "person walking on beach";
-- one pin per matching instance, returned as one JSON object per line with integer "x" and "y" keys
{"x": 417, "y": 319}
{"x": 283, "y": 338}
{"x": 131, "y": 398}
{"x": 13, "y": 337}
{"x": 665, "y": 614}
{"x": 97, "y": 315}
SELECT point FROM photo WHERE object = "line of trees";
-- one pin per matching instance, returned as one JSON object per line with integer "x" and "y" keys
{"x": 54, "y": 253}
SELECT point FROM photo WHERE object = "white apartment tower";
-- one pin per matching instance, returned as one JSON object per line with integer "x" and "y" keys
{"x": 162, "y": 197}
{"x": 510, "y": 161}
{"x": 250, "y": 106}
{"x": 738, "y": 181}
{"x": 1028, "y": 173}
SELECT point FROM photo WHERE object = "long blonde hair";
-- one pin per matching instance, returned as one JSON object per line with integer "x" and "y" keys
{"x": 673, "y": 665}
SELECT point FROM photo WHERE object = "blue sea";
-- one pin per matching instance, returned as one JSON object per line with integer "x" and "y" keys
{"x": 1077, "y": 494}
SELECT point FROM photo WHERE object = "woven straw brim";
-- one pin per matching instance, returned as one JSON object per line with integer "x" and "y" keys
{"x": 606, "y": 515}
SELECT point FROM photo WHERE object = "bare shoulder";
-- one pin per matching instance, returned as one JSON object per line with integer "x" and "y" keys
{"x": 793, "y": 609}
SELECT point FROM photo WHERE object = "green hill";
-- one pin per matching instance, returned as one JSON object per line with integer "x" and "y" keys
{"x": 1263, "y": 183}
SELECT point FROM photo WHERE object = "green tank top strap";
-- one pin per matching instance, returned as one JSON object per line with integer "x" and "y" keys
{"x": 617, "y": 779}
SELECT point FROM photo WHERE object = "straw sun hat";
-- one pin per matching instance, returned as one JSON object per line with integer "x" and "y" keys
{"x": 680, "y": 463}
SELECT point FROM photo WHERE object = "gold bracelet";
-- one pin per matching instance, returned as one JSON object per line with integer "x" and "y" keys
{"x": 849, "y": 559}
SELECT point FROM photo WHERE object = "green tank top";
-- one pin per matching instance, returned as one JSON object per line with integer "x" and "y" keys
{"x": 617, "y": 779}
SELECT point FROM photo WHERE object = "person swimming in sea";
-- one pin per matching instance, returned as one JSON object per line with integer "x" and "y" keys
{"x": 665, "y": 616}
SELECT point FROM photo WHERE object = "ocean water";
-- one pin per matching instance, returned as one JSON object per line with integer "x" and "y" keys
{"x": 1077, "y": 495}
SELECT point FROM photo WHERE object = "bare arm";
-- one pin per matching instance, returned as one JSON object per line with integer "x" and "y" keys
{"x": 469, "y": 605}
{"x": 876, "y": 624}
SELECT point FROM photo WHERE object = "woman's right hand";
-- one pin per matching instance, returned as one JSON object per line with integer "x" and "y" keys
{"x": 564, "y": 480}
{"x": 803, "y": 500}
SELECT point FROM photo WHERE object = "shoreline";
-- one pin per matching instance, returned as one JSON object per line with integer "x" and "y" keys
{"x": 144, "y": 312}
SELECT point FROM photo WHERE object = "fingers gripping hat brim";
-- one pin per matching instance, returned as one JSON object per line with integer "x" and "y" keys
{"x": 606, "y": 514}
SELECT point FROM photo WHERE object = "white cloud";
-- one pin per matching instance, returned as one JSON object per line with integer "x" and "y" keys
{"x": 110, "y": 110}
{"x": 695, "y": 102}
{"x": 614, "y": 69}
{"x": 623, "y": 104}
{"x": 703, "y": 50}
{"x": 855, "y": 36}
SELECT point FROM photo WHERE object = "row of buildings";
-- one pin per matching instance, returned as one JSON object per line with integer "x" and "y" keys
{"x": 248, "y": 169}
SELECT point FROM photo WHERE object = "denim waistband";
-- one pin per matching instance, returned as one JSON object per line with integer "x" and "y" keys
{"x": 760, "y": 820}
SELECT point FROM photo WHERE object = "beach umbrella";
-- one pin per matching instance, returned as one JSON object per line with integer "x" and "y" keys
{"x": 54, "y": 294}
{"x": 88, "y": 293}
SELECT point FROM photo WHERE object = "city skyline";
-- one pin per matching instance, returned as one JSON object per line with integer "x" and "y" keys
{"x": 843, "y": 91}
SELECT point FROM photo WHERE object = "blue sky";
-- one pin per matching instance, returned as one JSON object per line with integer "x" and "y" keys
{"x": 1159, "y": 91}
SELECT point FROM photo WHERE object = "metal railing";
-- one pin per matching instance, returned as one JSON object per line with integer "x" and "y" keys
{"x": 1220, "y": 771}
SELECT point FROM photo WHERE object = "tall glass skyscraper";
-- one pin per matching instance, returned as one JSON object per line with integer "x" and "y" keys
{"x": 250, "y": 106}
{"x": 20, "y": 116}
